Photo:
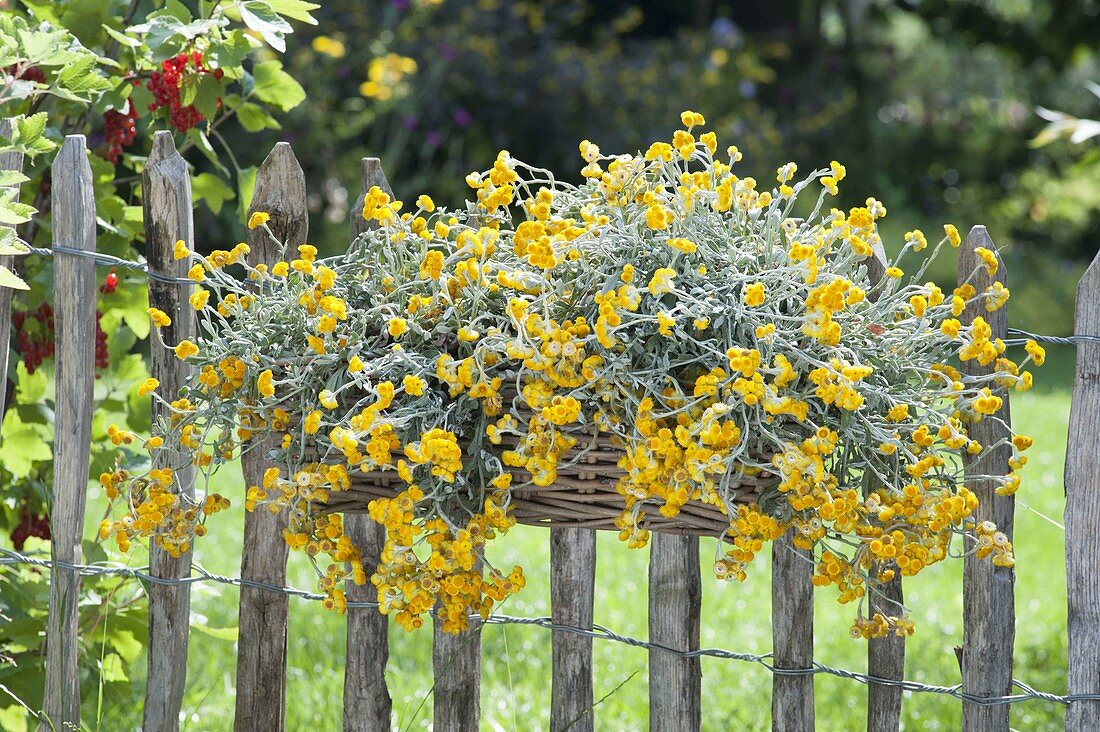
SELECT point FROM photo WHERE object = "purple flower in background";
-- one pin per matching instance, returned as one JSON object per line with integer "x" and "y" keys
{"x": 409, "y": 122}
{"x": 433, "y": 138}
{"x": 462, "y": 117}
{"x": 448, "y": 52}
{"x": 344, "y": 71}
{"x": 401, "y": 5}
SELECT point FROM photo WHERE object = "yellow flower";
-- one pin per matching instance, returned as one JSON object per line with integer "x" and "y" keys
{"x": 701, "y": 323}
{"x": 312, "y": 422}
{"x": 355, "y": 365}
{"x": 196, "y": 273}
{"x": 199, "y": 299}
{"x": 259, "y": 218}
{"x": 468, "y": 335}
{"x": 154, "y": 442}
{"x": 186, "y": 349}
{"x": 754, "y": 294}
{"x": 398, "y": 327}
{"x": 159, "y": 318}
{"x": 327, "y": 399}
{"x": 414, "y": 385}
{"x": 952, "y": 234}
{"x": 665, "y": 323}
{"x": 686, "y": 246}
{"x": 1037, "y": 353}
{"x": 894, "y": 272}
{"x": 661, "y": 282}
{"x": 264, "y": 385}
{"x": 280, "y": 269}
{"x": 148, "y": 386}
{"x": 426, "y": 203}
{"x": 691, "y": 119}
{"x": 180, "y": 250}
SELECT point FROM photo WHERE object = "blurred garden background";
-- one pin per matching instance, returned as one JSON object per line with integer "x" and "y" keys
{"x": 961, "y": 111}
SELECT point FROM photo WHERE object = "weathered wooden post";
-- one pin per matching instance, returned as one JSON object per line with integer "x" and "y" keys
{"x": 572, "y": 593}
{"x": 675, "y": 598}
{"x": 367, "y": 703}
{"x": 885, "y": 656}
{"x": 1083, "y": 511}
{"x": 166, "y": 204}
{"x": 989, "y": 621}
{"x": 8, "y": 161}
{"x": 261, "y": 655}
{"x": 73, "y": 208}
{"x": 792, "y": 635}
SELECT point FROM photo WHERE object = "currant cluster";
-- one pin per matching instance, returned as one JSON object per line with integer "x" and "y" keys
{"x": 165, "y": 86}
{"x": 29, "y": 73}
{"x": 34, "y": 335}
{"x": 29, "y": 526}
{"x": 110, "y": 283}
{"x": 102, "y": 358}
{"x": 119, "y": 130}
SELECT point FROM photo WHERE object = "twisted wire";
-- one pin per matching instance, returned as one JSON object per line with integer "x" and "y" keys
{"x": 1027, "y": 693}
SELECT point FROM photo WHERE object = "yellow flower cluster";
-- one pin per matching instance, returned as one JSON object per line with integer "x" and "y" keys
{"x": 741, "y": 360}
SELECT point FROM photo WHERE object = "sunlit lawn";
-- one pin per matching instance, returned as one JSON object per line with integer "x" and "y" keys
{"x": 516, "y": 665}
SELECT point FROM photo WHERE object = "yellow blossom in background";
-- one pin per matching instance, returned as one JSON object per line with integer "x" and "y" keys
{"x": 180, "y": 250}
{"x": 952, "y": 234}
{"x": 329, "y": 46}
{"x": 387, "y": 77}
{"x": 148, "y": 386}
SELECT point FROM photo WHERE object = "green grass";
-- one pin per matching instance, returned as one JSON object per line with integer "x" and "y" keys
{"x": 516, "y": 660}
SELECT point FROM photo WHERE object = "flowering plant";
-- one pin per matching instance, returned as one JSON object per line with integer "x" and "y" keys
{"x": 667, "y": 303}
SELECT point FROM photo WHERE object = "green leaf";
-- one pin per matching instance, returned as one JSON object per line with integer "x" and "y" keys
{"x": 199, "y": 139}
{"x": 189, "y": 87}
{"x": 254, "y": 118}
{"x": 246, "y": 186}
{"x": 179, "y": 10}
{"x": 12, "y": 178}
{"x": 112, "y": 668}
{"x": 207, "y": 93}
{"x": 229, "y": 634}
{"x": 12, "y": 280}
{"x": 276, "y": 87}
{"x": 10, "y": 245}
{"x": 212, "y": 189}
{"x": 24, "y": 444}
{"x": 122, "y": 39}
{"x": 30, "y": 388}
{"x": 296, "y": 9}
{"x": 259, "y": 16}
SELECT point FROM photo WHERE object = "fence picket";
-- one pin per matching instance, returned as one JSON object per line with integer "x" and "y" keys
{"x": 261, "y": 657}
{"x": 73, "y": 207}
{"x": 885, "y": 656}
{"x": 8, "y": 161}
{"x": 1083, "y": 511}
{"x": 367, "y": 703}
{"x": 167, "y": 215}
{"x": 572, "y": 594}
{"x": 989, "y": 625}
{"x": 792, "y": 635}
{"x": 675, "y": 599}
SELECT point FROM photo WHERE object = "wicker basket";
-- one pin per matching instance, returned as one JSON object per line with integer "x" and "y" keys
{"x": 583, "y": 496}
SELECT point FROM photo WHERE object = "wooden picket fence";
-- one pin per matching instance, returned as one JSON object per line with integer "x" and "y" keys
{"x": 674, "y": 575}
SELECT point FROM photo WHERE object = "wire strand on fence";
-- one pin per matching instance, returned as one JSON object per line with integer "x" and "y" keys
{"x": 9, "y": 557}
{"x": 109, "y": 260}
